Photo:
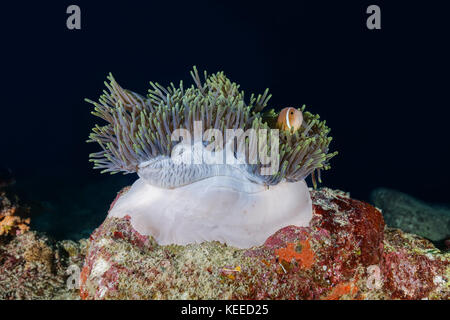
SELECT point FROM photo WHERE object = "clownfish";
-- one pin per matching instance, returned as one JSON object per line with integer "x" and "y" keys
{"x": 290, "y": 118}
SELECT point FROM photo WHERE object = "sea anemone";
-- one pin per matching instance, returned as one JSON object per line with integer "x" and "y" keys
{"x": 239, "y": 180}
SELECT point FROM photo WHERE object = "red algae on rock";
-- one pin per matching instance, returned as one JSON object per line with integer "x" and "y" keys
{"x": 345, "y": 253}
{"x": 300, "y": 252}
{"x": 340, "y": 290}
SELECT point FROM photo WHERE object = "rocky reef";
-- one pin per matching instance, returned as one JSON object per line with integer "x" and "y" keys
{"x": 411, "y": 215}
{"x": 33, "y": 266}
{"x": 345, "y": 253}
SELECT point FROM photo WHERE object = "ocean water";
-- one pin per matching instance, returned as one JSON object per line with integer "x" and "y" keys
{"x": 69, "y": 210}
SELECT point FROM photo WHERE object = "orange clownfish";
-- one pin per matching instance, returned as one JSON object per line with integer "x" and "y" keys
{"x": 290, "y": 118}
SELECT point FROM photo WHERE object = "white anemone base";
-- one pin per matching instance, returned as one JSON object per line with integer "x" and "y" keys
{"x": 221, "y": 208}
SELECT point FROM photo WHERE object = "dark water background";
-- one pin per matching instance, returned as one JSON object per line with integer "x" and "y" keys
{"x": 384, "y": 93}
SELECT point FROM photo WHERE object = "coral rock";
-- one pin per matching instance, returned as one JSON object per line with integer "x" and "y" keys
{"x": 12, "y": 220}
{"x": 411, "y": 215}
{"x": 345, "y": 253}
{"x": 33, "y": 266}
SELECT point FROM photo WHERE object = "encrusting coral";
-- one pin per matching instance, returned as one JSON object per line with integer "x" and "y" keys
{"x": 11, "y": 223}
{"x": 235, "y": 201}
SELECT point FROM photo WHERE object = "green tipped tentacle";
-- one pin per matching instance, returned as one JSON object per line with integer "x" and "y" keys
{"x": 139, "y": 128}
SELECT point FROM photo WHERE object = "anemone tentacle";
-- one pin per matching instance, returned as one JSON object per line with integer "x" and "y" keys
{"x": 138, "y": 129}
